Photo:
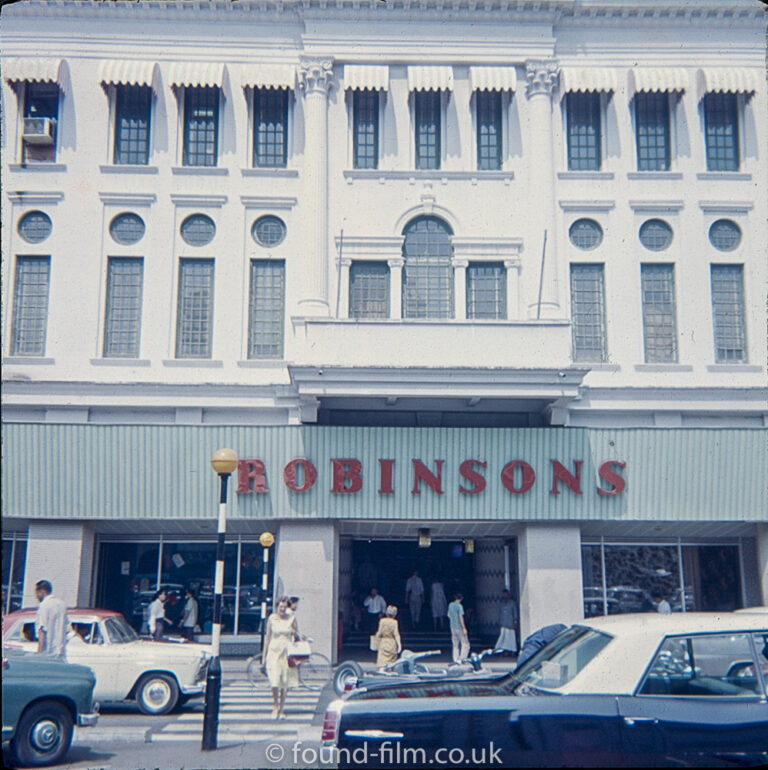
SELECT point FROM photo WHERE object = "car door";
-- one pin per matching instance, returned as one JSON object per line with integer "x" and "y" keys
{"x": 696, "y": 705}
{"x": 89, "y": 646}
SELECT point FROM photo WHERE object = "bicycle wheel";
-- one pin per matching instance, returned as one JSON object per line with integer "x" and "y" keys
{"x": 256, "y": 673}
{"x": 315, "y": 673}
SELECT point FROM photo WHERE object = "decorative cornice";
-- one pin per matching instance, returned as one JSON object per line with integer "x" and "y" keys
{"x": 29, "y": 198}
{"x": 267, "y": 202}
{"x": 541, "y": 76}
{"x": 656, "y": 207}
{"x": 315, "y": 74}
{"x": 587, "y": 205}
{"x": 212, "y": 201}
{"x": 127, "y": 199}
{"x": 726, "y": 207}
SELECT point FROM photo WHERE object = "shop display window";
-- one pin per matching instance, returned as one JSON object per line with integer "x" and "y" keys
{"x": 14, "y": 561}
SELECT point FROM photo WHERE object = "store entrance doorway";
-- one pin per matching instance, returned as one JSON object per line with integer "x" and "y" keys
{"x": 388, "y": 564}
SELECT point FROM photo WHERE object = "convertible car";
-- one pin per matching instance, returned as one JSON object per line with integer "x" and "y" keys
{"x": 624, "y": 690}
{"x": 156, "y": 675}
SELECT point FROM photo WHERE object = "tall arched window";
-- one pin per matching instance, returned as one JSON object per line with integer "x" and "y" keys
{"x": 428, "y": 272}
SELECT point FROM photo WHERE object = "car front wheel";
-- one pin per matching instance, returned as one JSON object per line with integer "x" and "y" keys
{"x": 157, "y": 694}
{"x": 347, "y": 673}
{"x": 43, "y": 735}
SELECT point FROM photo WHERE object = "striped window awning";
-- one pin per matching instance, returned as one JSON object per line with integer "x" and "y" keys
{"x": 122, "y": 72}
{"x": 657, "y": 79}
{"x": 492, "y": 78}
{"x": 39, "y": 70}
{"x": 269, "y": 76}
{"x": 197, "y": 74}
{"x": 587, "y": 79}
{"x": 729, "y": 80}
{"x": 430, "y": 78}
{"x": 359, "y": 77}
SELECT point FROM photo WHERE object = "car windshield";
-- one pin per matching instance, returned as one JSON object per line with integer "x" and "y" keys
{"x": 562, "y": 659}
{"x": 119, "y": 631}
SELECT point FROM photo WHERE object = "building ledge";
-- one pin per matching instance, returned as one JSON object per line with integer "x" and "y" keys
{"x": 120, "y": 362}
{"x": 199, "y": 171}
{"x": 46, "y": 167}
{"x": 128, "y": 169}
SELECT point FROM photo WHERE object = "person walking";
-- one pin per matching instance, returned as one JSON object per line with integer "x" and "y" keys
{"x": 157, "y": 619}
{"x": 281, "y": 631}
{"x": 507, "y": 640}
{"x": 439, "y": 604}
{"x": 51, "y": 623}
{"x": 375, "y": 607}
{"x": 388, "y": 635}
{"x": 459, "y": 635}
{"x": 189, "y": 616}
{"x": 414, "y": 597}
{"x": 293, "y": 608}
{"x": 662, "y": 605}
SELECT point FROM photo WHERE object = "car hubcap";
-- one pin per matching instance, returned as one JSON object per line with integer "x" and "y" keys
{"x": 45, "y": 735}
{"x": 157, "y": 693}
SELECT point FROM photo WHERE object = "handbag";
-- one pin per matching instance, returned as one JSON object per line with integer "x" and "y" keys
{"x": 297, "y": 652}
{"x": 374, "y": 642}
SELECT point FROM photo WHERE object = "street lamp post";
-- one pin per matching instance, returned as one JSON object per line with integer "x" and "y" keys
{"x": 224, "y": 462}
{"x": 266, "y": 539}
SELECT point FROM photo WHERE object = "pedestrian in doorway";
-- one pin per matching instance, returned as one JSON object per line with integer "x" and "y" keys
{"x": 157, "y": 619}
{"x": 388, "y": 635}
{"x": 189, "y": 616}
{"x": 375, "y": 607}
{"x": 439, "y": 605}
{"x": 281, "y": 631}
{"x": 662, "y": 605}
{"x": 414, "y": 597}
{"x": 357, "y": 612}
{"x": 51, "y": 623}
{"x": 459, "y": 635}
{"x": 507, "y": 640}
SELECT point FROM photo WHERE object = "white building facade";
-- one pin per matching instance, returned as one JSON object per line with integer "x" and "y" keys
{"x": 495, "y": 272}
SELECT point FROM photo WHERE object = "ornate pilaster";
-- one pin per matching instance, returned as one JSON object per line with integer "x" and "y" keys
{"x": 460, "y": 288}
{"x": 315, "y": 78}
{"x": 537, "y": 271}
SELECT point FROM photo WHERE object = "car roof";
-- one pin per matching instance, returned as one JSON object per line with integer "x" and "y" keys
{"x": 73, "y": 612}
{"x": 678, "y": 622}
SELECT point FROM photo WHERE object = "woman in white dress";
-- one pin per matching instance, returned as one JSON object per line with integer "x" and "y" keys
{"x": 281, "y": 631}
{"x": 439, "y": 604}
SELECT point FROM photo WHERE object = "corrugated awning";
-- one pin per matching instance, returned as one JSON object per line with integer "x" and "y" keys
{"x": 33, "y": 70}
{"x": 658, "y": 79}
{"x": 135, "y": 73}
{"x": 492, "y": 78}
{"x": 729, "y": 80}
{"x": 269, "y": 76}
{"x": 359, "y": 77}
{"x": 197, "y": 74}
{"x": 430, "y": 78}
{"x": 587, "y": 79}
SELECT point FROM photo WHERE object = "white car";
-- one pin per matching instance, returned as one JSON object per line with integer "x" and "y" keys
{"x": 157, "y": 675}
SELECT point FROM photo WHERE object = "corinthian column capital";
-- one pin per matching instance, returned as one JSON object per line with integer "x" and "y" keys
{"x": 315, "y": 74}
{"x": 541, "y": 76}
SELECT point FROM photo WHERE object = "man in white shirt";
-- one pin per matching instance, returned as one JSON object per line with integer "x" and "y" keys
{"x": 52, "y": 622}
{"x": 157, "y": 618}
{"x": 189, "y": 616}
{"x": 375, "y": 605}
{"x": 414, "y": 597}
{"x": 662, "y": 605}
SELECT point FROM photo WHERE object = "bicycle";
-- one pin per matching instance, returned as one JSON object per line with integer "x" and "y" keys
{"x": 314, "y": 672}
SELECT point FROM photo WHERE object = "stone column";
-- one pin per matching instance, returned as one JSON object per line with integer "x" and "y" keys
{"x": 315, "y": 76}
{"x": 345, "y": 581}
{"x": 549, "y": 558}
{"x": 460, "y": 288}
{"x": 512, "y": 268}
{"x": 343, "y": 278}
{"x": 396, "y": 287}
{"x": 489, "y": 583}
{"x": 542, "y": 77}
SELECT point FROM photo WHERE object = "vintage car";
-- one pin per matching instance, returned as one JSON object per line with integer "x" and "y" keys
{"x": 43, "y": 698}
{"x": 621, "y": 690}
{"x": 157, "y": 675}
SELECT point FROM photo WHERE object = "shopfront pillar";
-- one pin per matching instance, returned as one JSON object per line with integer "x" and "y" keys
{"x": 306, "y": 565}
{"x": 489, "y": 583}
{"x": 540, "y": 272}
{"x": 315, "y": 77}
{"x": 762, "y": 560}
{"x": 63, "y": 554}
{"x": 549, "y": 558}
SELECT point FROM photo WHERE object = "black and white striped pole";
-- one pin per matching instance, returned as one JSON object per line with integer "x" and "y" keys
{"x": 266, "y": 539}
{"x": 224, "y": 463}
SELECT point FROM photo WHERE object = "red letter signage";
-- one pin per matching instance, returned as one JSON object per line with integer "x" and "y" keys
{"x": 473, "y": 476}
{"x": 615, "y": 479}
{"x": 561, "y": 473}
{"x": 387, "y": 469}
{"x": 344, "y": 470}
{"x": 508, "y": 477}
{"x": 290, "y": 473}
{"x": 251, "y": 470}
{"x": 422, "y": 473}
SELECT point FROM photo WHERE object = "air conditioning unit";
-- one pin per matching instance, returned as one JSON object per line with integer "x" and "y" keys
{"x": 39, "y": 130}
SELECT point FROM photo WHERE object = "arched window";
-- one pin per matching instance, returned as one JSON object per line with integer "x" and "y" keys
{"x": 428, "y": 272}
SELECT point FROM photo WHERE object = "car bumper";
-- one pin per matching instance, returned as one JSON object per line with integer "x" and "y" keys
{"x": 191, "y": 690}
{"x": 87, "y": 720}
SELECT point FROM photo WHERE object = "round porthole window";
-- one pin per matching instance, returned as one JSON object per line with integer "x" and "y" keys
{"x": 35, "y": 226}
{"x": 268, "y": 231}
{"x": 655, "y": 234}
{"x": 724, "y": 235}
{"x": 127, "y": 228}
{"x": 585, "y": 234}
{"x": 198, "y": 230}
